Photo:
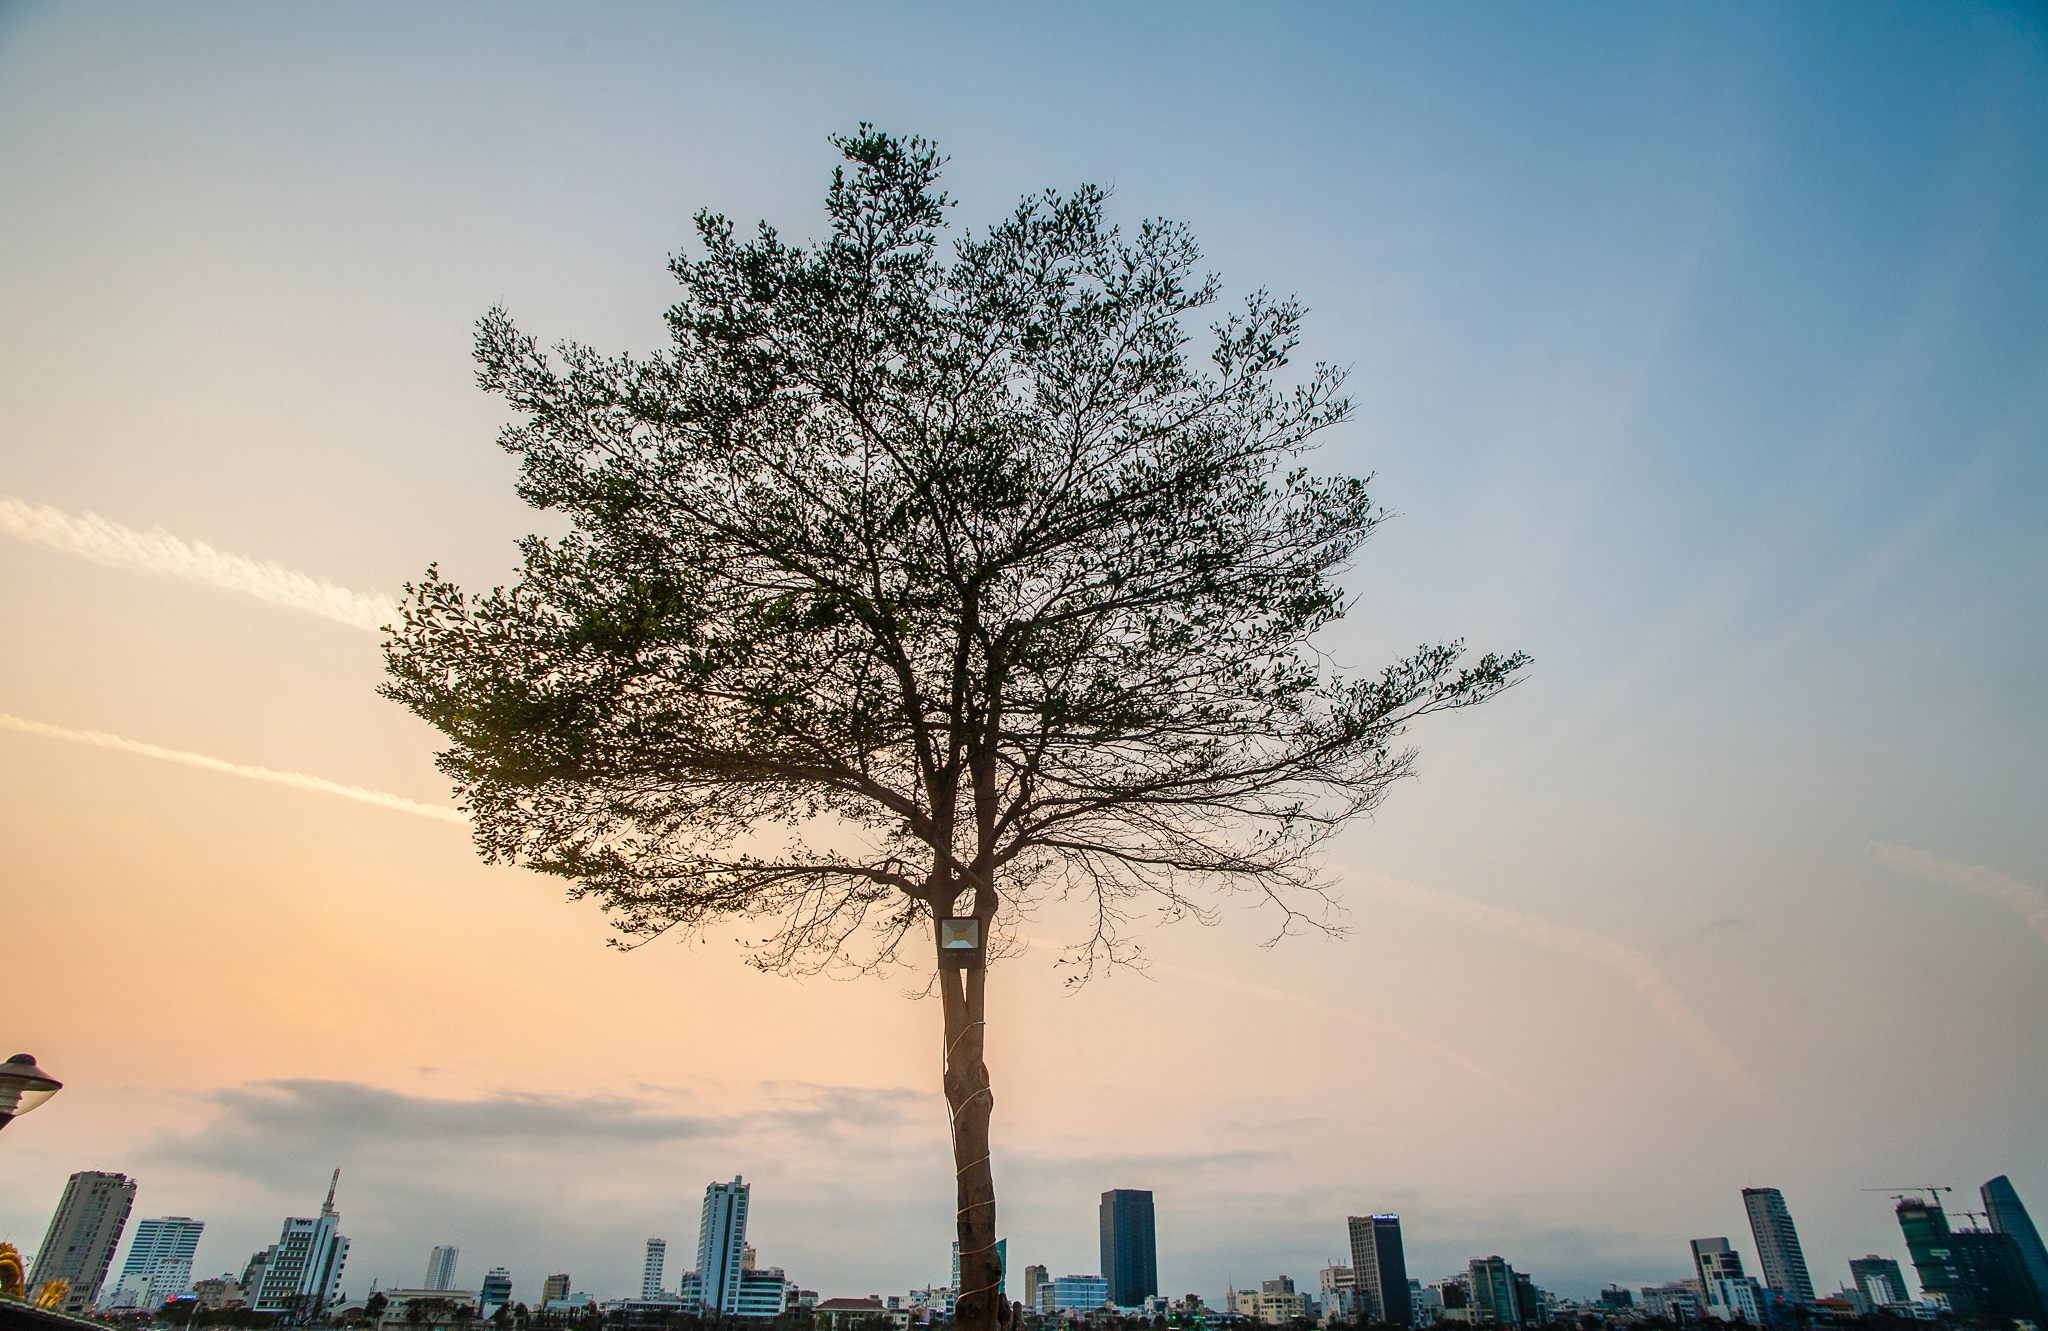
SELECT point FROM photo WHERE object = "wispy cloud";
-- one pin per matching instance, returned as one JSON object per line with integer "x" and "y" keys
{"x": 2026, "y": 900}
{"x": 1345, "y": 1015}
{"x": 1609, "y": 953}
{"x": 101, "y": 739}
{"x": 156, "y": 551}
{"x": 1351, "y": 1018}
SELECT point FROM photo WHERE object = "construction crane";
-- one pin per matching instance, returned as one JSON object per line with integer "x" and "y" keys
{"x": 1898, "y": 1191}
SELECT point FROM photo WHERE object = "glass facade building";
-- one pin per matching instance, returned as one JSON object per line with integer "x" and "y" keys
{"x": 1130, "y": 1255}
{"x": 2008, "y": 1216}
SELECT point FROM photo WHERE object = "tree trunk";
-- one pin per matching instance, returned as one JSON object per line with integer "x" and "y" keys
{"x": 969, "y": 1100}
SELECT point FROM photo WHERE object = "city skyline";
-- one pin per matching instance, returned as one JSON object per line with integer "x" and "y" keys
{"x": 1698, "y": 352}
{"x": 1986, "y": 1269}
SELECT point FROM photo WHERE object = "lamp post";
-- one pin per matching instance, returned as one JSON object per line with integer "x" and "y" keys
{"x": 23, "y": 1086}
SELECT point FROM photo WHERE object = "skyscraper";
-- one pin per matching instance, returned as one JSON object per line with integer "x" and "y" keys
{"x": 1130, "y": 1255}
{"x": 2008, "y": 1216}
{"x": 1715, "y": 1259}
{"x": 159, "y": 1261}
{"x": 1996, "y": 1275}
{"x": 441, "y": 1268}
{"x": 1777, "y": 1244}
{"x": 83, "y": 1234}
{"x": 721, "y": 1235}
{"x": 1879, "y": 1279}
{"x": 1379, "y": 1270}
{"x": 496, "y": 1289}
{"x": 650, "y": 1270}
{"x": 301, "y": 1271}
{"x": 554, "y": 1287}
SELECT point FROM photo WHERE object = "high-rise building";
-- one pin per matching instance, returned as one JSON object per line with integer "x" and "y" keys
{"x": 1035, "y": 1279}
{"x": 1130, "y": 1253}
{"x": 496, "y": 1289}
{"x": 441, "y": 1268}
{"x": 554, "y": 1287}
{"x": 1379, "y": 1270}
{"x": 1715, "y": 1259}
{"x": 650, "y": 1269}
{"x": 159, "y": 1262}
{"x": 1777, "y": 1244}
{"x": 1500, "y": 1294}
{"x": 83, "y": 1234}
{"x": 1997, "y": 1276}
{"x": 1879, "y": 1279}
{"x": 301, "y": 1271}
{"x": 2008, "y": 1216}
{"x": 721, "y": 1237}
{"x": 1925, "y": 1226}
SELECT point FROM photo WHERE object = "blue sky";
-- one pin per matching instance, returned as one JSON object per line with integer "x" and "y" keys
{"x": 1703, "y": 351}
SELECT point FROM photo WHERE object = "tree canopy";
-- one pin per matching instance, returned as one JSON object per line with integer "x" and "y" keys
{"x": 906, "y": 571}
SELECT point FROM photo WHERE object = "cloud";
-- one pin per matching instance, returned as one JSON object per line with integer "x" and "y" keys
{"x": 550, "y": 1182}
{"x": 1608, "y": 953}
{"x": 158, "y": 552}
{"x": 2026, "y": 901}
{"x": 1706, "y": 930}
{"x": 1354, "y": 1019}
{"x": 101, "y": 739}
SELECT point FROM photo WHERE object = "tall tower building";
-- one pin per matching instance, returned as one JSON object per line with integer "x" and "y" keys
{"x": 1379, "y": 1270}
{"x": 441, "y": 1268}
{"x": 554, "y": 1287}
{"x": 496, "y": 1289}
{"x": 1715, "y": 1259}
{"x": 301, "y": 1271}
{"x": 1130, "y": 1249}
{"x": 650, "y": 1270}
{"x": 159, "y": 1261}
{"x": 2008, "y": 1216}
{"x": 79, "y": 1246}
{"x": 1777, "y": 1244}
{"x": 721, "y": 1238}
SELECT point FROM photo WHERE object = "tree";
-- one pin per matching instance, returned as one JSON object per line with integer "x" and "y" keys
{"x": 904, "y": 588}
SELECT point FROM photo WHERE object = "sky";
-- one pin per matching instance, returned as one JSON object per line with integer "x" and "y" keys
{"x": 1703, "y": 352}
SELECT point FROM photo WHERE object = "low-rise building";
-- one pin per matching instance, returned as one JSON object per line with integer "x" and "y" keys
{"x": 1676, "y": 1301}
{"x": 844, "y": 1314}
{"x": 428, "y": 1307}
{"x": 1073, "y": 1294}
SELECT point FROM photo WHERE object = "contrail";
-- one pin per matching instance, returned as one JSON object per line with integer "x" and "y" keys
{"x": 157, "y": 551}
{"x": 1314, "y": 1005}
{"x": 1613, "y": 954}
{"x": 2025, "y": 899}
{"x": 101, "y": 739}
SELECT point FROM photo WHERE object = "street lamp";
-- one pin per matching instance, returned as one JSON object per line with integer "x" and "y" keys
{"x": 23, "y": 1086}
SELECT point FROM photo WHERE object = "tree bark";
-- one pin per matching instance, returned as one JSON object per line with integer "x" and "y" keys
{"x": 969, "y": 1100}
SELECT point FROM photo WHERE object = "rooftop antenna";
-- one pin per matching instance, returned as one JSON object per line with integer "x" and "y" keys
{"x": 327, "y": 1207}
